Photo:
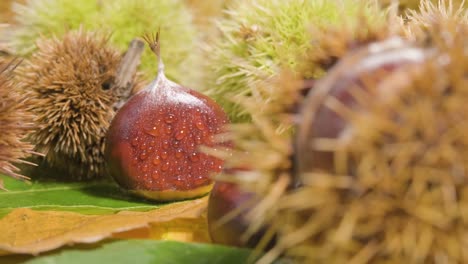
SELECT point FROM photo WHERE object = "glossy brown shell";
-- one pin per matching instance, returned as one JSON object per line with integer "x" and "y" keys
{"x": 153, "y": 143}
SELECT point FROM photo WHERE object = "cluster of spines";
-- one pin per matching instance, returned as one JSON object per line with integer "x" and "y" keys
{"x": 68, "y": 84}
{"x": 403, "y": 200}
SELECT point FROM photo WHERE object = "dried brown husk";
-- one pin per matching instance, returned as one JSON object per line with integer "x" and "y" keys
{"x": 15, "y": 123}
{"x": 68, "y": 82}
{"x": 405, "y": 200}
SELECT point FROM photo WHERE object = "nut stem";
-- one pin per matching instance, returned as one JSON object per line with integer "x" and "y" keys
{"x": 155, "y": 46}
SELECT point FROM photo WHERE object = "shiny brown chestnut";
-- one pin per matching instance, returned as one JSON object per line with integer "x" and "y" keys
{"x": 153, "y": 142}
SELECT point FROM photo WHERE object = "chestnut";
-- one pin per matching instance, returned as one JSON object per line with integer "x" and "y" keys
{"x": 152, "y": 147}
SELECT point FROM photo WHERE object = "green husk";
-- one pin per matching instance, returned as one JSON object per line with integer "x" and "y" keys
{"x": 46, "y": 18}
{"x": 125, "y": 20}
{"x": 259, "y": 37}
{"x": 129, "y": 19}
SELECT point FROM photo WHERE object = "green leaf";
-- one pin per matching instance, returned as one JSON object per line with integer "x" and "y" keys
{"x": 86, "y": 198}
{"x": 148, "y": 251}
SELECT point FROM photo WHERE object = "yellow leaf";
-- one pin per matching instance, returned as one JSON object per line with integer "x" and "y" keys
{"x": 32, "y": 232}
{"x": 181, "y": 229}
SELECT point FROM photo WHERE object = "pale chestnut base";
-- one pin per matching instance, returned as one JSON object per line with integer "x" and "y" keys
{"x": 173, "y": 195}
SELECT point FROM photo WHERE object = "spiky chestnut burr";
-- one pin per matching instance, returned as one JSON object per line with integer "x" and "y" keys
{"x": 68, "y": 84}
{"x": 124, "y": 19}
{"x": 264, "y": 145}
{"x": 15, "y": 123}
{"x": 380, "y": 59}
{"x": 153, "y": 142}
{"x": 394, "y": 192}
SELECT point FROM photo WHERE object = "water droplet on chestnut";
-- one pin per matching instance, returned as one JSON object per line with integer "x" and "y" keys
{"x": 143, "y": 146}
{"x": 199, "y": 124}
{"x": 157, "y": 160}
{"x": 194, "y": 157}
{"x": 150, "y": 149}
{"x": 165, "y": 144}
{"x": 180, "y": 134}
{"x": 165, "y": 166}
{"x": 170, "y": 119}
{"x": 153, "y": 131}
{"x": 179, "y": 153}
{"x": 168, "y": 130}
